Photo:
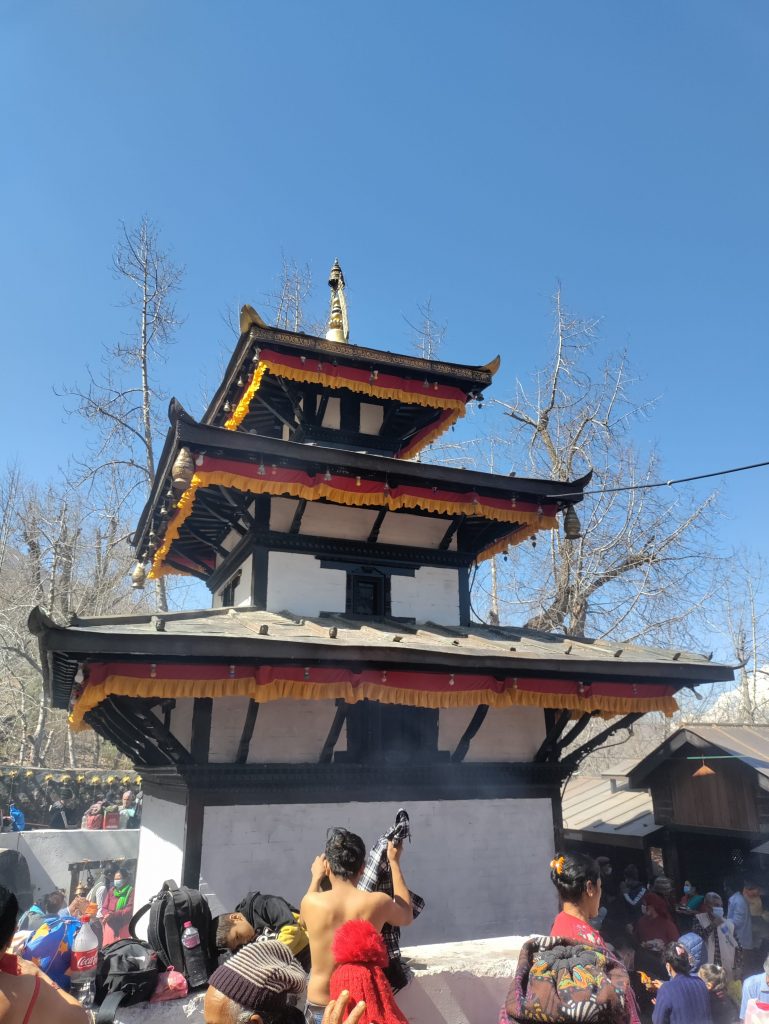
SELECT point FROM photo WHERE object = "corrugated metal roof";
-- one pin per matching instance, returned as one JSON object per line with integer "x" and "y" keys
{"x": 750, "y": 743}
{"x": 592, "y": 804}
{"x": 472, "y": 641}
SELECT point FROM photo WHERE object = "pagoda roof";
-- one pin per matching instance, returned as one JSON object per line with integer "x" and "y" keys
{"x": 280, "y": 380}
{"x": 488, "y": 511}
{"x": 270, "y": 656}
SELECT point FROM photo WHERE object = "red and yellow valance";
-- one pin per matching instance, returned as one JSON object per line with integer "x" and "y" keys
{"x": 450, "y": 400}
{"x": 265, "y": 683}
{"x": 353, "y": 491}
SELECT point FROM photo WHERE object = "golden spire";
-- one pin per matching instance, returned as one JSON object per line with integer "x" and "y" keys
{"x": 338, "y": 328}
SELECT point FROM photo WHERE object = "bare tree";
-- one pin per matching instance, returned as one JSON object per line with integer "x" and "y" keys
{"x": 642, "y": 567}
{"x": 57, "y": 552}
{"x": 739, "y": 615}
{"x": 427, "y": 334}
{"x": 123, "y": 402}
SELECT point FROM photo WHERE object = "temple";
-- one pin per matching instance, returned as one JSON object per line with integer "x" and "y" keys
{"x": 341, "y": 672}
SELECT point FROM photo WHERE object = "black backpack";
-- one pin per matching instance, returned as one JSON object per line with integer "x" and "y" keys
{"x": 169, "y": 910}
{"x": 127, "y": 973}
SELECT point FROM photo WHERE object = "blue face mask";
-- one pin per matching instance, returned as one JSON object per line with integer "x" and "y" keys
{"x": 687, "y": 889}
{"x": 717, "y": 911}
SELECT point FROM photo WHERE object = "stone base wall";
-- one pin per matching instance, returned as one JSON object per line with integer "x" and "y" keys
{"x": 454, "y": 983}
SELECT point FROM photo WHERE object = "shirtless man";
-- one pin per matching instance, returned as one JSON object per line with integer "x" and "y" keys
{"x": 323, "y": 912}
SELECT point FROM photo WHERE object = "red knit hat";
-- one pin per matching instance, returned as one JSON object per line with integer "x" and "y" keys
{"x": 360, "y": 955}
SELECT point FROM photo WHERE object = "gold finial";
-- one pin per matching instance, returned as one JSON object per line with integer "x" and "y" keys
{"x": 338, "y": 327}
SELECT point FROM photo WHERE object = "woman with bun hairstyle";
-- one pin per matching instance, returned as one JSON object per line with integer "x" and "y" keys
{"x": 577, "y": 878}
{"x": 685, "y": 998}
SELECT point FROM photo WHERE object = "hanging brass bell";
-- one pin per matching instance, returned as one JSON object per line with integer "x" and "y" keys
{"x": 182, "y": 469}
{"x": 138, "y": 576}
{"x": 572, "y": 528}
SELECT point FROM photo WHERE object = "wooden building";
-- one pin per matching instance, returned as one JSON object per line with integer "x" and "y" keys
{"x": 339, "y": 673}
{"x": 711, "y": 821}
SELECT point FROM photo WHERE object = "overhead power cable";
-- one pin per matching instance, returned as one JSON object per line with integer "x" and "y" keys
{"x": 662, "y": 483}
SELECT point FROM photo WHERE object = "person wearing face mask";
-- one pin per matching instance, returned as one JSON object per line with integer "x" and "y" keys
{"x": 117, "y": 908}
{"x": 723, "y": 946}
{"x": 690, "y": 900}
{"x": 684, "y": 999}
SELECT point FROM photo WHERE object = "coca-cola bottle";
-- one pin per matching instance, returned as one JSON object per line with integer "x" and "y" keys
{"x": 194, "y": 960}
{"x": 82, "y": 969}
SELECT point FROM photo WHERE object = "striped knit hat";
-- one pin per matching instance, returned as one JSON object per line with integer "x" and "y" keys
{"x": 260, "y": 976}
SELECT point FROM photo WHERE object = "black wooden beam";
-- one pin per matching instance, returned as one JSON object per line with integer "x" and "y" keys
{"x": 248, "y": 731}
{"x": 193, "y": 841}
{"x": 548, "y": 751}
{"x": 122, "y": 720}
{"x": 294, "y": 400}
{"x": 240, "y": 504}
{"x": 263, "y": 401}
{"x": 184, "y": 549}
{"x": 232, "y": 785}
{"x": 479, "y": 717}
{"x": 373, "y": 536}
{"x": 217, "y": 513}
{"x": 186, "y": 570}
{"x": 327, "y": 753}
{"x": 156, "y": 730}
{"x": 202, "y": 711}
{"x": 324, "y": 547}
{"x": 453, "y": 527}
{"x": 206, "y": 540}
{"x": 260, "y": 565}
{"x": 296, "y": 522}
{"x": 463, "y": 579}
{"x": 577, "y": 729}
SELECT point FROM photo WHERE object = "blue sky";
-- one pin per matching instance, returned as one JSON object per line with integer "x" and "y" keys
{"x": 471, "y": 153}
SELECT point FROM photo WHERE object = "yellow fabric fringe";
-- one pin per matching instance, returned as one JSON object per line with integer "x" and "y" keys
{"x": 241, "y": 409}
{"x": 292, "y": 689}
{"x": 311, "y": 377}
{"x": 415, "y": 447}
{"x": 260, "y": 485}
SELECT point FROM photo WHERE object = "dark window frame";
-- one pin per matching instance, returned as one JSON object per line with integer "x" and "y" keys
{"x": 228, "y": 590}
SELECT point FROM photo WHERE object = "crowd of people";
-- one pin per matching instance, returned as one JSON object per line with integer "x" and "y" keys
{"x": 688, "y": 957}
{"x": 636, "y": 952}
{"x": 59, "y": 807}
{"x": 334, "y": 959}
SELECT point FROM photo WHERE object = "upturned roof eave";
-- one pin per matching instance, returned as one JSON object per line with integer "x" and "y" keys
{"x": 477, "y": 378}
{"x": 79, "y": 641}
{"x": 185, "y": 431}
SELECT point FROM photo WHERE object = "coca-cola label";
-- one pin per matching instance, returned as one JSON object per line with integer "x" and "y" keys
{"x": 84, "y": 961}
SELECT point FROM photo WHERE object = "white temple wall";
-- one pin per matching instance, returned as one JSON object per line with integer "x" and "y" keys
{"x": 286, "y": 732}
{"x": 482, "y": 865}
{"x": 160, "y": 847}
{"x": 181, "y": 720}
{"x": 297, "y": 583}
{"x": 293, "y": 732}
{"x": 507, "y": 734}
{"x": 49, "y": 852}
{"x": 431, "y": 595}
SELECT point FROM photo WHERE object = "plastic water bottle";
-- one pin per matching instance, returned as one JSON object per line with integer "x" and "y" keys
{"x": 82, "y": 970}
{"x": 194, "y": 960}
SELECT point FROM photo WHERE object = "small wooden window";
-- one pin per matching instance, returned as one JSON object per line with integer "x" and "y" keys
{"x": 228, "y": 593}
{"x": 368, "y": 594}
{"x": 391, "y": 734}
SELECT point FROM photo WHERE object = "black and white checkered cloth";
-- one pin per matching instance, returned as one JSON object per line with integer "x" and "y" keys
{"x": 377, "y": 877}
